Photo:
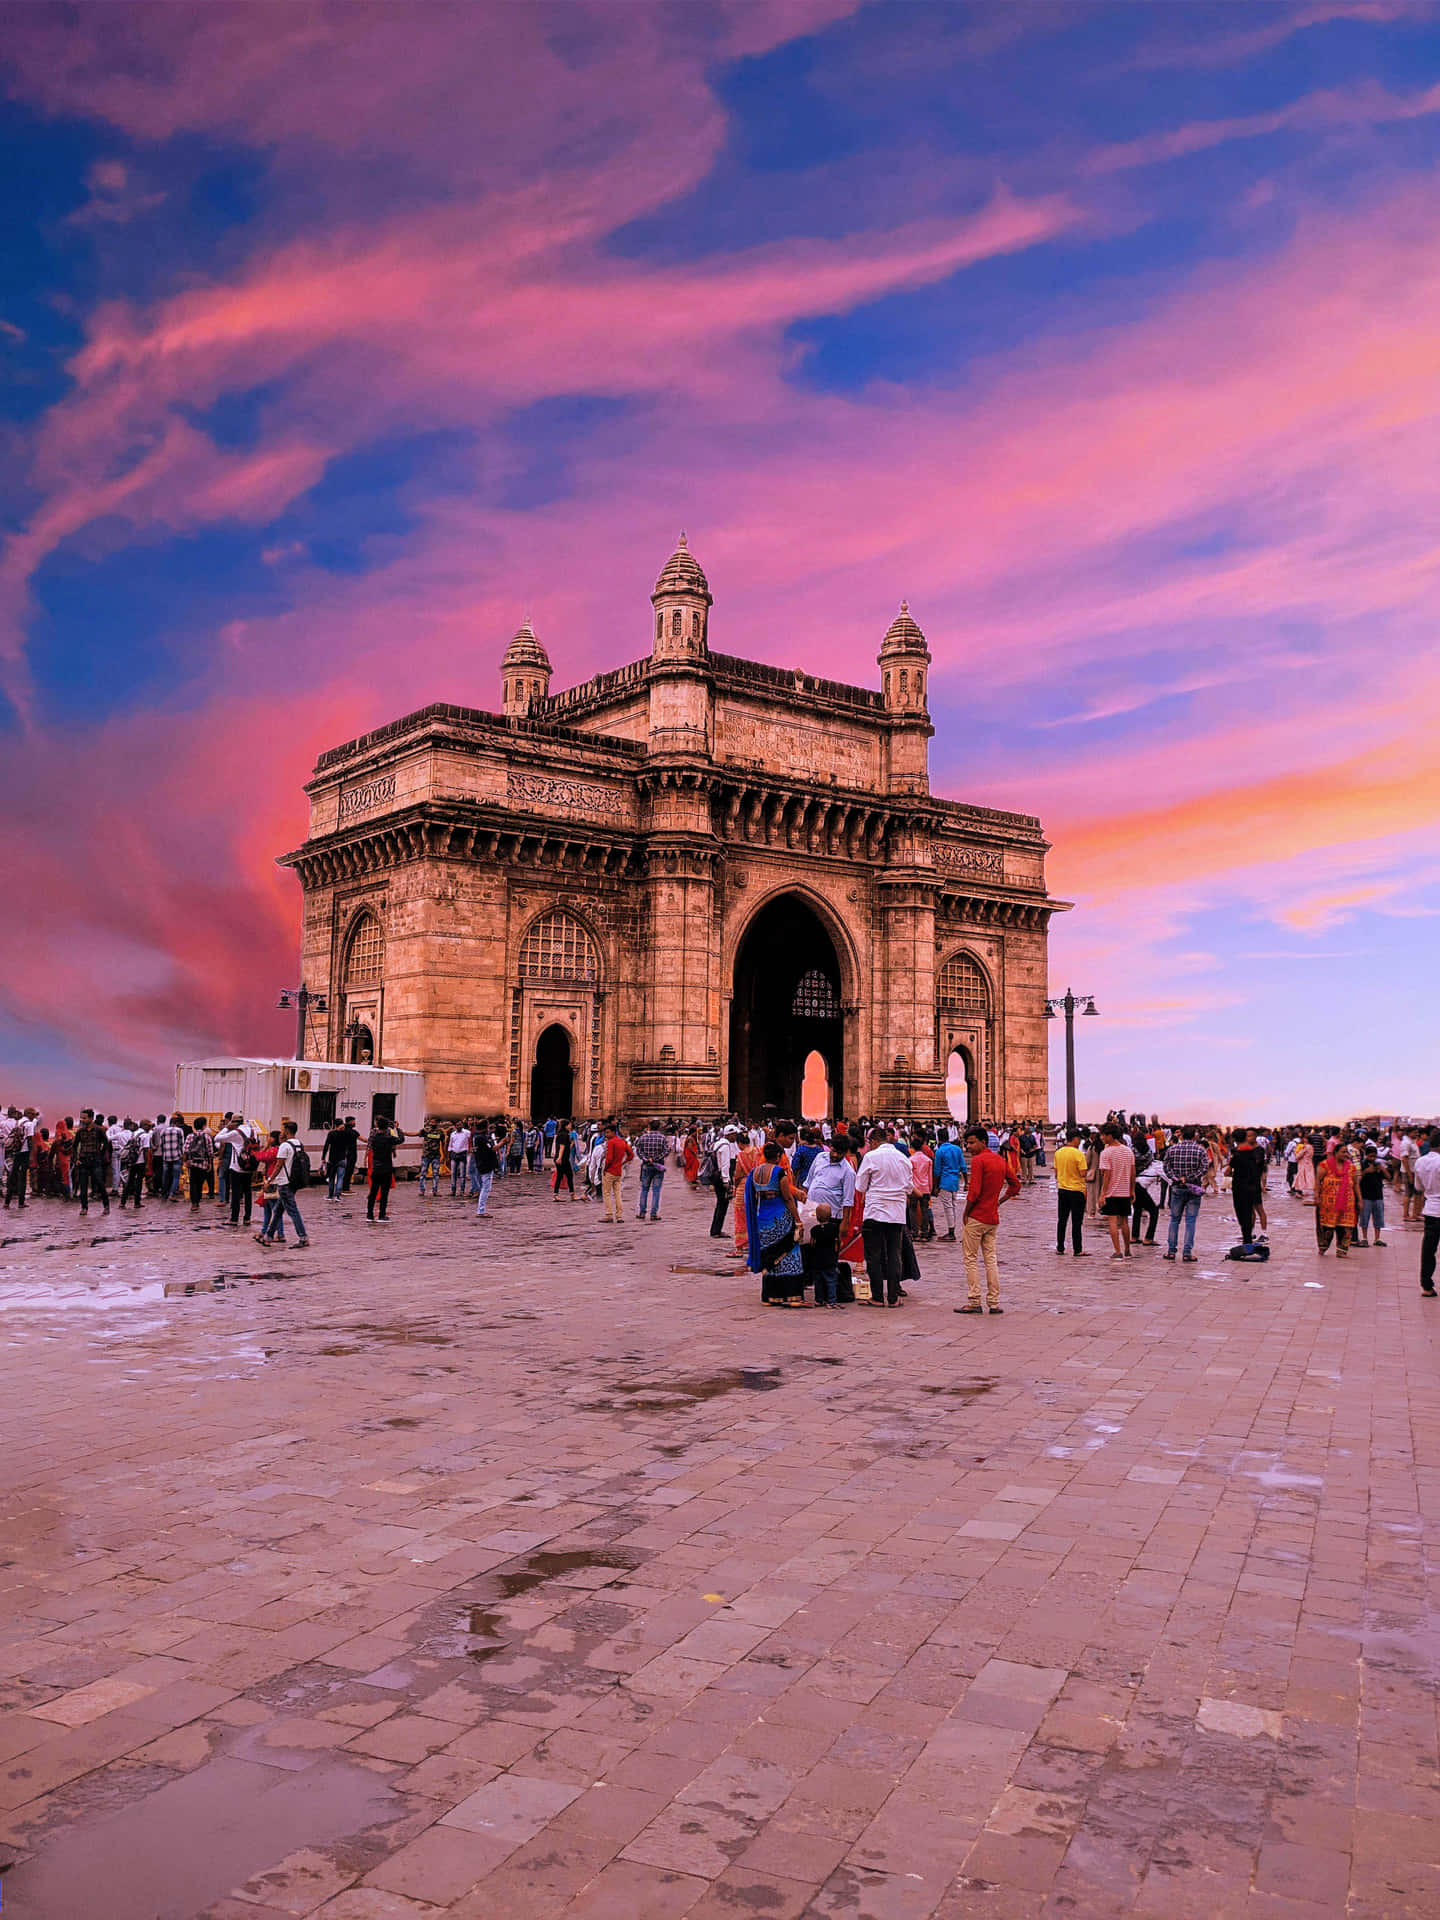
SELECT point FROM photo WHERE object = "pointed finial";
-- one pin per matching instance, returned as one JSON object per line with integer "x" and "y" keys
{"x": 904, "y": 606}
{"x": 683, "y": 541}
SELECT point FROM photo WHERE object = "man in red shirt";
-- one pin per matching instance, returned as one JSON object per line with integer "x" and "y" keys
{"x": 618, "y": 1155}
{"x": 992, "y": 1183}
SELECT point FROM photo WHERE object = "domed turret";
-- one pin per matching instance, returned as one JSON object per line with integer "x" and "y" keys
{"x": 682, "y": 605}
{"x": 524, "y": 673}
{"x": 904, "y": 657}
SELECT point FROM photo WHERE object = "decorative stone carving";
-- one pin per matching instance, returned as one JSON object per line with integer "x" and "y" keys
{"x": 970, "y": 859}
{"x": 366, "y": 797}
{"x": 578, "y": 796}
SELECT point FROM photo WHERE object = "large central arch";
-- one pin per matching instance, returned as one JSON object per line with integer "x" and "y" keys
{"x": 786, "y": 1004}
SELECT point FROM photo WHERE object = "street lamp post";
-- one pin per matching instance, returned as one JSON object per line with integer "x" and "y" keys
{"x": 1067, "y": 1004}
{"x": 302, "y": 1000}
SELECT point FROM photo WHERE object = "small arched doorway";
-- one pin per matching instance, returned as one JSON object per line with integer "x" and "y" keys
{"x": 552, "y": 1078}
{"x": 362, "y": 1046}
{"x": 961, "y": 1093}
{"x": 815, "y": 1088}
{"x": 785, "y": 1008}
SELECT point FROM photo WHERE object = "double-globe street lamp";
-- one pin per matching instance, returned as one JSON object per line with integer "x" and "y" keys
{"x": 304, "y": 1002}
{"x": 1067, "y": 1004}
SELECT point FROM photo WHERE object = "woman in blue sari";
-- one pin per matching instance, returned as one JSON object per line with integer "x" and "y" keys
{"x": 772, "y": 1227}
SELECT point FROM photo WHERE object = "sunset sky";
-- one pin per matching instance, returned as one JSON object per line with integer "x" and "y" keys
{"x": 336, "y": 338}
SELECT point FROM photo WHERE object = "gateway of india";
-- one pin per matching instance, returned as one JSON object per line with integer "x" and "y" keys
{"x": 667, "y": 890}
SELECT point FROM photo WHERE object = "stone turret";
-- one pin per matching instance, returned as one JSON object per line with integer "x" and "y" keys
{"x": 680, "y": 694}
{"x": 682, "y": 608}
{"x": 904, "y": 665}
{"x": 524, "y": 673}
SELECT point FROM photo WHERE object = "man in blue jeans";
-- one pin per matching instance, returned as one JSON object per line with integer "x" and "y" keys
{"x": 652, "y": 1150}
{"x": 1186, "y": 1166}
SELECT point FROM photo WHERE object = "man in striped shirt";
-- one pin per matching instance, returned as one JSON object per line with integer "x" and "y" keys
{"x": 652, "y": 1149}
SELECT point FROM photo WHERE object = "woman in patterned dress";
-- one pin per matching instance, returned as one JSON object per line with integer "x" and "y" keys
{"x": 773, "y": 1230}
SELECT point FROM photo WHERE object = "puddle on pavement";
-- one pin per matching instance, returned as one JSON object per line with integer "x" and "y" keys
{"x": 694, "y": 1390}
{"x": 68, "y": 1296}
{"x": 179, "y": 1850}
{"x": 485, "y": 1622}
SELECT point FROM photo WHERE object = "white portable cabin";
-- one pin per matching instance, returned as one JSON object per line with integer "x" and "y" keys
{"x": 312, "y": 1093}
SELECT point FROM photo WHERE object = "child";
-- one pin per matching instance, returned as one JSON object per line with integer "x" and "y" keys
{"x": 824, "y": 1256}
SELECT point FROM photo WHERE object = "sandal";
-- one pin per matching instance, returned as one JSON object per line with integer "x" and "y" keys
{"x": 969, "y": 1309}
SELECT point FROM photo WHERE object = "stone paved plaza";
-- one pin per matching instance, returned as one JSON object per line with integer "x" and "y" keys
{"x": 530, "y": 1567}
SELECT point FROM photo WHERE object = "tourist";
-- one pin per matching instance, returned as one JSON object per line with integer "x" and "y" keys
{"x": 922, "y": 1173}
{"x": 1150, "y": 1191}
{"x": 62, "y": 1149}
{"x": 1091, "y": 1143}
{"x": 992, "y": 1183}
{"x": 1029, "y": 1146}
{"x": 167, "y": 1145}
{"x": 1427, "y": 1187}
{"x": 380, "y": 1148}
{"x": 831, "y": 1183}
{"x": 200, "y": 1161}
{"x": 117, "y": 1134}
{"x": 16, "y": 1151}
{"x": 594, "y": 1163}
{"x": 722, "y": 1156}
{"x": 280, "y": 1191}
{"x": 1412, "y": 1203}
{"x": 432, "y": 1150}
{"x": 1305, "y": 1172}
{"x": 652, "y": 1149}
{"x": 616, "y": 1156}
{"x": 534, "y": 1146}
{"x": 1337, "y": 1200}
{"x": 1372, "y": 1199}
{"x": 564, "y": 1158}
{"x": 1247, "y": 1181}
{"x": 821, "y": 1256}
{"x": 332, "y": 1159}
{"x": 132, "y": 1167}
{"x": 772, "y": 1218}
{"x": 1117, "y": 1189}
{"x": 457, "y": 1145}
{"x": 690, "y": 1156}
{"x": 237, "y": 1143}
{"x": 1070, "y": 1170}
{"x": 92, "y": 1161}
{"x": 751, "y": 1153}
{"x": 1187, "y": 1167}
{"x": 883, "y": 1186}
{"x": 949, "y": 1169}
{"x": 484, "y": 1165}
{"x": 550, "y": 1129}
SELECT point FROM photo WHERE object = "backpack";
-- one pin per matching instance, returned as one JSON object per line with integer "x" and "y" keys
{"x": 1250, "y": 1250}
{"x": 709, "y": 1167}
{"x": 299, "y": 1168}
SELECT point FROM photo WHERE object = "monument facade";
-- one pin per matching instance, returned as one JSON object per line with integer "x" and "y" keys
{"x": 670, "y": 888}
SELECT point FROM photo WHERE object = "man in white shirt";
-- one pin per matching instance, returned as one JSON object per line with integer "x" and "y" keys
{"x": 281, "y": 1194}
{"x": 886, "y": 1180}
{"x": 118, "y": 1134}
{"x": 725, "y": 1152}
{"x": 1427, "y": 1188}
{"x": 458, "y": 1147}
{"x": 1412, "y": 1200}
{"x": 832, "y": 1179}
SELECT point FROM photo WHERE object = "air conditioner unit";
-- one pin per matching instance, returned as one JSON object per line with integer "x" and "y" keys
{"x": 303, "y": 1080}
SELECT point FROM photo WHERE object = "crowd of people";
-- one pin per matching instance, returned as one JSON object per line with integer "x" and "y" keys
{"x": 807, "y": 1206}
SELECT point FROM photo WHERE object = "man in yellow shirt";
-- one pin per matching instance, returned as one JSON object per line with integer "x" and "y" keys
{"x": 1070, "y": 1187}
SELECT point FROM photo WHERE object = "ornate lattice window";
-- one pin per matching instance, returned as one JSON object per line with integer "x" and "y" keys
{"x": 365, "y": 954}
{"x": 963, "y": 987}
{"x": 675, "y": 620}
{"x": 558, "y": 947}
{"x": 815, "y": 997}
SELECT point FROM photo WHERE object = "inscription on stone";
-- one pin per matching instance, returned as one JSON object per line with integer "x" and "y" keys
{"x": 576, "y": 796}
{"x": 970, "y": 859}
{"x": 372, "y": 794}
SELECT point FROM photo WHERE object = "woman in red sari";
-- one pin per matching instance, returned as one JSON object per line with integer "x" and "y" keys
{"x": 690, "y": 1156}
{"x": 60, "y": 1150}
{"x": 1337, "y": 1200}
